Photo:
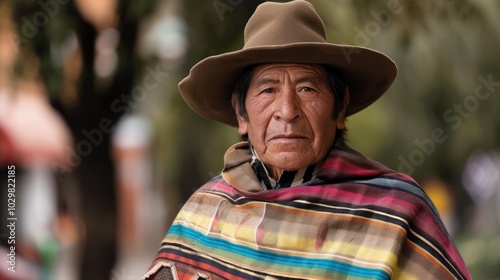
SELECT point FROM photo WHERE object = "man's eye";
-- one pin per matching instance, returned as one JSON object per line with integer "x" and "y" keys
{"x": 307, "y": 89}
{"x": 268, "y": 90}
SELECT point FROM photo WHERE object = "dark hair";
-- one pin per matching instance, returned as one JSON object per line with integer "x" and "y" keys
{"x": 336, "y": 85}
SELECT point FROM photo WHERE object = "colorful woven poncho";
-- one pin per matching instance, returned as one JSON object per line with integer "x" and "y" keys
{"x": 356, "y": 219}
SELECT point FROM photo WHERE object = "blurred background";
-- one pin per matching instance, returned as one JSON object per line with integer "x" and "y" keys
{"x": 106, "y": 151}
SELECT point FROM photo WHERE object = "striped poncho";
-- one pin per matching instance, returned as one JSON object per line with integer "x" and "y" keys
{"x": 356, "y": 220}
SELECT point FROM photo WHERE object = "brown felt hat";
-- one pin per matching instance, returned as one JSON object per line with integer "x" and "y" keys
{"x": 285, "y": 33}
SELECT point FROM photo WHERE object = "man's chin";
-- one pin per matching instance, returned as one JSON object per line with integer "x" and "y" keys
{"x": 291, "y": 162}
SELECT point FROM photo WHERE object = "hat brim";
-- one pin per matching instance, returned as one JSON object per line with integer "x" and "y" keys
{"x": 210, "y": 83}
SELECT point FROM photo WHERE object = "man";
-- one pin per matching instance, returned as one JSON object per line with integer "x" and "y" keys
{"x": 294, "y": 202}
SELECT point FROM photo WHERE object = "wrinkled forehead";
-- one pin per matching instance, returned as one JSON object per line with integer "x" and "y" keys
{"x": 292, "y": 69}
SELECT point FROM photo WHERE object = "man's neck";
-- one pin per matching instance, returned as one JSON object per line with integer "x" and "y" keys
{"x": 271, "y": 178}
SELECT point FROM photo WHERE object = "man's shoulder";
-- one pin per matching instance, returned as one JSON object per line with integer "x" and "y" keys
{"x": 347, "y": 164}
{"x": 389, "y": 190}
{"x": 350, "y": 170}
{"x": 216, "y": 183}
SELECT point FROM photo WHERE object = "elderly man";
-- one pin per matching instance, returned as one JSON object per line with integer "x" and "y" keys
{"x": 293, "y": 201}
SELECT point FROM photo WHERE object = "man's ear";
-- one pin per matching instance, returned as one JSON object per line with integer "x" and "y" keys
{"x": 242, "y": 121}
{"x": 341, "y": 116}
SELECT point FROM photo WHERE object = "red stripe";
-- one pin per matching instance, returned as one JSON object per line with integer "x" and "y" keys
{"x": 342, "y": 165}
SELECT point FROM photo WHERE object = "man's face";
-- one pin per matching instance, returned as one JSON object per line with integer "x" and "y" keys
{"x": 290, "y": 116}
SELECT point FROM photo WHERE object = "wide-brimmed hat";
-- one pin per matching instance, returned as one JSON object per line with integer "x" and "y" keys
{"x": 285, "y": 33}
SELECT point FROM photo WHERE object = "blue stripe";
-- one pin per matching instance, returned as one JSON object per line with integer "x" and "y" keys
{"x": 325, "y": 264}
{"x": 401, "y": 185}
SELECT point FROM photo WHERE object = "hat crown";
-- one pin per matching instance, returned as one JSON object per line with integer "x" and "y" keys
{"x": 283, "y": 24}
{"x": 285, "y": 33}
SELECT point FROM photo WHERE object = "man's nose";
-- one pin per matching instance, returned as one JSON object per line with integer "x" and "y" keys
{"x": 288, "y": 106}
